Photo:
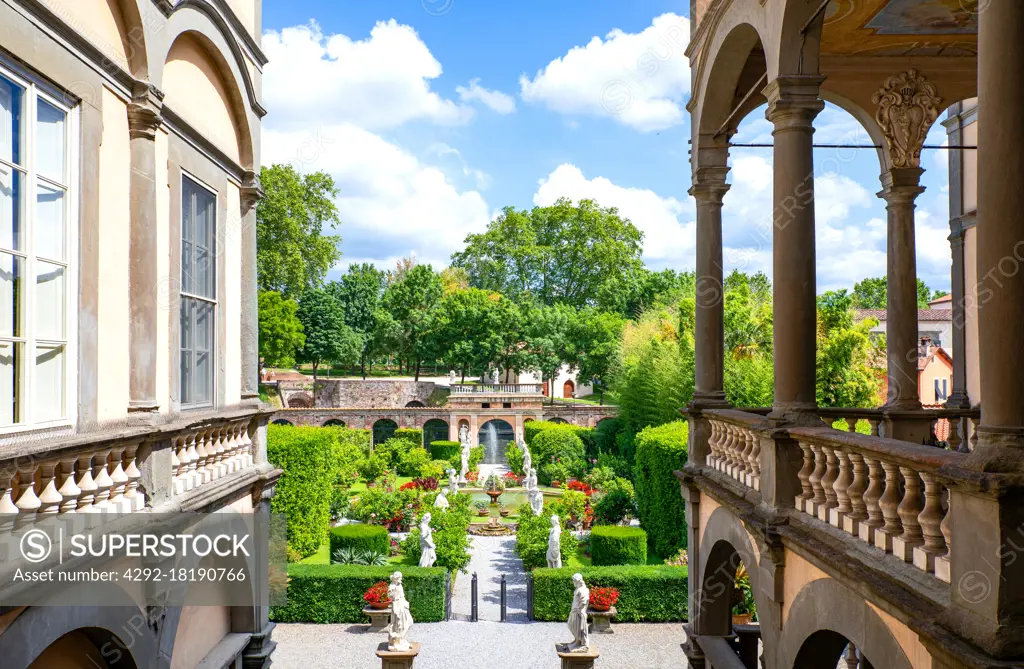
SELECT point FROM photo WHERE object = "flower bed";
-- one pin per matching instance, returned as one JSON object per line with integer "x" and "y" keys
{"x": 654, "y": 593}
{"x": 334, "y": 593}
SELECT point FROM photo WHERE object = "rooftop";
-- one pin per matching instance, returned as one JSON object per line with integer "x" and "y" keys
{"x": 922, "y": 314}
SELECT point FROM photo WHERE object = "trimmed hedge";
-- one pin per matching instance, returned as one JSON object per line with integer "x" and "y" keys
{"x": 558, "y": 453}
{"x": 361, "y": 538}
{"x": 320, "y": 593}
{"x": 304, "y": 492}
{"x": 445, "y": 450}
{"x": 612, "y": 545}
{"x": 659, "y": 452}
{"x": 411, "y": 434}
{"x": 657, "y": 593}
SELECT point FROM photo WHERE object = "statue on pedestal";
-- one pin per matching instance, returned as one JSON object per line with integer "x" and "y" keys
{"x": 530, "y": 482}
{"x": 401, "y": 617}
{"x": 453, "y": 482}
{"x": 578, "y": 616}
{"x": 527, "y": 458}
{"x": 441, "y": 502}
{"x": 554, "y": 555}
{"x": 427, "y": 553}
{"x": 536, "y": 499}
{"x": 465, "y": 458}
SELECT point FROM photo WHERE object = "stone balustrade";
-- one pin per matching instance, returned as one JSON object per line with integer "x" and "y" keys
{"x": 735, "y": 445}
{"x": 204, "y": 455}
{"x": 502, "y": 388}
{"x": 889, "y": 494}
{"x": 956, "y": 427}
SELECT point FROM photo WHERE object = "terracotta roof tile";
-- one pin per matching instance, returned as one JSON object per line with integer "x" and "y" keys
{"x": 922, "y": 314}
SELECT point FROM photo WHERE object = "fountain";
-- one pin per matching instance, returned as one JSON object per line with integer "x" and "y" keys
{"x": 493, "y": 528}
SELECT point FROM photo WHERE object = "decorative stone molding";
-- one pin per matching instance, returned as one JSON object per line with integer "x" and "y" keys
{"x": 252, "y": 190}
{"x": 145, "y": 111}
{"x": 908, "y": 104}
{"x": 793, "y": 101}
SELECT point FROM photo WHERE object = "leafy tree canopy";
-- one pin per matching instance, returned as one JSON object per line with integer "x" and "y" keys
{"x": 280, "y": 329}
{"x": 328, "y": 339}
{"x": 871, "y": 294}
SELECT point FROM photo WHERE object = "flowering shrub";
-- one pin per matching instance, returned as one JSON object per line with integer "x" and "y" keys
{"x": 581, "y": 487}
{"x": 411, "y": 485}
{"x": 377, "y": 593}
{"x": 472, "y": 476}
{"x": 425, "y": 483}
{"x": 603, "y": 598}
{"x": 511, "y": 479}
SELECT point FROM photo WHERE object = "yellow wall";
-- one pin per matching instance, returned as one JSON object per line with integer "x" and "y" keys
{"x": 71, "y": 651}
{"x": 936, "y": 369}
{"x": 245, "y": 10}
{"x": 232, "y": 309}
{"x": 201, "y": 628}
{"x": 194, "y": 89}
{"x": 797, "y": 574}
{"x": 99, "y": 21}
{"x": 908, "y": 640}
{"x": 112, "y": 313}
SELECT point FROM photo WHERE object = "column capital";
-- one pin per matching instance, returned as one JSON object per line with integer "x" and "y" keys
{"x": 793, "y": 101}
{"x": 145, "y": 111}
{"x": 901, "y": 185}
{"x": 709, "y": 184}
{"x": 252, "y": 190}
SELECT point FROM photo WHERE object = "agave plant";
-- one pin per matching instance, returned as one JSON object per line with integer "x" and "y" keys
{"x": 370, "y": 558}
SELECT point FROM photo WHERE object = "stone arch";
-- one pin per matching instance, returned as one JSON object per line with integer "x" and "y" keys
{"x": 414, "y": 404}
{"x": 435, "y": 429}
{"x": 733, "y": 64}
{"x": 556, "y": 419}
{"x": 114, "y": 27}
{"x": 300, "y": 401}
{"x": 826, "y": 614}
{"x": 281, "y": 421}
{"x": 504, "y": 432}
{"x": 334, "y": 422}
{"x": 383, "y": 429}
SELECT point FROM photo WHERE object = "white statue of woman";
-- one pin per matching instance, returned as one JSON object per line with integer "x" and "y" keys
{"x": 442, "y": 499}
{"x": 453, "y": 482}
{"x": 427, "y": 553}
{"x": 463, "y": 434}
{"x": 401, "y": 617}
{"x": 465, "y": 461}
{"x": 578, "y": 616}
{"x": 536, "y": 501}
{"x": 527, "y": 458}
{"x": 554, "y": 555}
{"x": 531, "y": 479}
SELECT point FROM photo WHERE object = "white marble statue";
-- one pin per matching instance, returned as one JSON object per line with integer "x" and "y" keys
{"x": 527, "y": 458}
{"x": 578, "y": 616}
{"x": 536, "y": 498}
{"x": 427, "y": 553}
{"x": 401, "y": 617}
{"x": 530, "y": 482}
{"x": 463, "y": 434}
{"x": 441, "y": 502}
{"x": 453, "y": 482}
{"x": 465, "y": 459}
{"x": 554, "y": 555}
{"x": 451, "y": 377}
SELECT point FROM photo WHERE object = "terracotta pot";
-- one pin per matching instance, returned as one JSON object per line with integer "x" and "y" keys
{"x": 741, "y": 618}
{"x": 483, "y": 512}
{"x": 504, "y": 513}
{"x": 556, "y": 484}
{"x": 380, "y": 606}
{"x": 599, "y": 608}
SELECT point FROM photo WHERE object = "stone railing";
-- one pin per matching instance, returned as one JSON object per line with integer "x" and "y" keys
{"x": 956, "y": 427}
{"x": 204, "y": 455}
{"x": 501, "y": 388}
{"x": 889, "y": 494}
{"x": 735, "y": 445}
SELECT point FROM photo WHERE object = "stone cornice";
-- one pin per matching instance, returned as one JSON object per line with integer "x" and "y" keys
{"x": 144, "y": 111}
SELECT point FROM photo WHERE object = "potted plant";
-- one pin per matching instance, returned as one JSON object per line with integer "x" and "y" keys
{"x": 504, "y": 511}
{"x": 744, "y": 610}
{"x": 481, "y": 508}
{"x": 602, "y": 599}
{"x": 377, "y": 596}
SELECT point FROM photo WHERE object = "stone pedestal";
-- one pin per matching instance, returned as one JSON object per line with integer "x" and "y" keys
{"x": 379, "y": 618}
{"x": 397, "y": 659}
{"x": 601, "y": 621}
{"x": 577, "y": 660}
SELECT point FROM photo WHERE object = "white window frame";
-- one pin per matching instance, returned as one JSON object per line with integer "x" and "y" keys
{"x": 214, "y": 335}
{"x": 35, "y": 89}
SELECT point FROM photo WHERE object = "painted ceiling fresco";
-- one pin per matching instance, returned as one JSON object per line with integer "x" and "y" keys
{"x": 901, "y": 27}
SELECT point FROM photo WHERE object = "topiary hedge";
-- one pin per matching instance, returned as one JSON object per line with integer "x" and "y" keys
{"x": 660, "y": 451}
{"x": 612, "y": 545}
{"x": 413, "y": 435}
{"x": 445, "y": 450}
{"x": 361, "y": 538}
{"x": 558, "y": 453}
{"x": 304, "y": 492}
{"x": 655, "y": 593}
{"x": 320, "y": 593}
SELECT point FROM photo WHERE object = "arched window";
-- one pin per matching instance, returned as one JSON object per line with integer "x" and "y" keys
{"x": 435, "y": 429}
{"x": 383, "y": 430}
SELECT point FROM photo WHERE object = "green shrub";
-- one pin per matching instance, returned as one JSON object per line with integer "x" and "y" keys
{"x": 446, "y": 450}
{"x": 605, "y": 433}
{"x": 559, "y": 454}
{"x": 533, "y": 428}
{"x": 305, "y": 491}
{"x": 360, "y": 538}
{"x": 572, "y": 505}
{"x": 319, "y": 593}
{"x": 514, "y": 458}
{"x": 372, "y": 467}
{"x": 476, "y": 456}
{"x": 451, "y": 543}
{"x": 413, "y": 461}
{"x": 612, "y": 545}
{"x": 410, "y": 434}
{"x": 614, "y": 507}
{"x": 646, "y": 593}
{"x": 660, "y": 451}
{"x": 622, "y": 467}
{"x": 350, "y": 435}
{"x": 394, "y": 450}
{"x": 436, "y": 469}
{"x": 532, "y": 538}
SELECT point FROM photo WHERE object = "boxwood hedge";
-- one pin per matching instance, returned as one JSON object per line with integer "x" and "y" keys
{"x": 446, "y": 450}
{"x": 659, "y": 452}
{"x": 360, "y": 538}
{"x": 413, "y": 435}
{"x": 655, "y": 593}
{"x": 304, "y": 492}
{"x": 612, "y": 545}
{"x": 320, "y": 593}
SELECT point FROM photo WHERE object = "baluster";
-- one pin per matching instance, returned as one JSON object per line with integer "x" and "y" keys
{"x": 177, "y": 466}
{"x": 930, "y": 519}
{"x": 69, "y": 490}
{"x": 119, "y": 480}
{"x": 815, "y": 478}
{"x": 231, "y": 448}
{"x": 841, "y": 487}
{"x": 942, "y": 571}
{"x": 221, "y": 448}
{"x": 890, "y": 502}
{"x": 743, "y": 471}
{"x": 210, "y": 441}
{"x": 872, "y": 497}
{"x": 807, "y": 494}
{"x": 851, "y": 657}
{"x": 49, "y": 498}
{"x": 858, "y": 508}
{"x": 202, "y": 459}
{"x": 86, "y": 484}
{"x": 134, "y": 500}
{"x": 954, "y": 440}
{"x": 754, "y": 459}
{"x": 974, "y": 432}
{"x": 247, "y": 455}
{"x": 192, "y": 476}
{"x": 874, "y": 422}
{"x": 736, "y": 443}
{"x": 713, "y": 444}
{"x": 828, "y": 483}
{"x": 909, "y": 510}
{"x": 726, "y": 462}
{"x": 28, "y": 503}
{"x": 101, "y": 477}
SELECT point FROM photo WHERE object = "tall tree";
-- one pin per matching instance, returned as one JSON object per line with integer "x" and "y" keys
{"x": 871, "y": 294}
{"x": 469, "y": 336}
{"x": 359, "y": 293}
{"x": 547, "y": 340}
{"x": 412, "y": 302}
{"x": 592, "y": 345}
{"x": 846, "y": 354}
{"x": 562, "y": 254}
{"x": 633, "y": 293}
{"x": 280, "y": 334}
{"x": 328, "y": 339}
{"x": 293, "y": 253}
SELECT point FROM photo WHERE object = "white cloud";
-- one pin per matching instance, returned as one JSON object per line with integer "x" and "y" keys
{"x": 494, "y": 100}
{"x": 667, "y": 223}
{"x": 639, "y": 79}
{"x": 376, "y": 83}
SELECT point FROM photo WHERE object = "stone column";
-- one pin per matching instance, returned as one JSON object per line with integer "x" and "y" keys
{"x": 793, "y": 104}
{"x": 958, "y": 398}
{"x": 143, "y": 122}
{"x": 900, "y": 187}
{"x": 252, "y": 193}
{"x": 708, "y": 189}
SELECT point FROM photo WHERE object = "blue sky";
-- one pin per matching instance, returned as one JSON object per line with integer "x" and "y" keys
{"x": 432, "y": 115}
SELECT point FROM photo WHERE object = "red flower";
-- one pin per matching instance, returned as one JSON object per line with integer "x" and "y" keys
{"x": 602, "y": 598}
{"x": 411, "y": 485}
{"x": 378, "y": 593}
{"x": 581, "y": 486}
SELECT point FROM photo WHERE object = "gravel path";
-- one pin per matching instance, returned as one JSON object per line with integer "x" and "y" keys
{"x": 481, "y": 645}
{"x": 490, "y": 558}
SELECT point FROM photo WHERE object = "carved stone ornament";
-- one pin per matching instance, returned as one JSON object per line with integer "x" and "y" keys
{"x": 907, "y": 107}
